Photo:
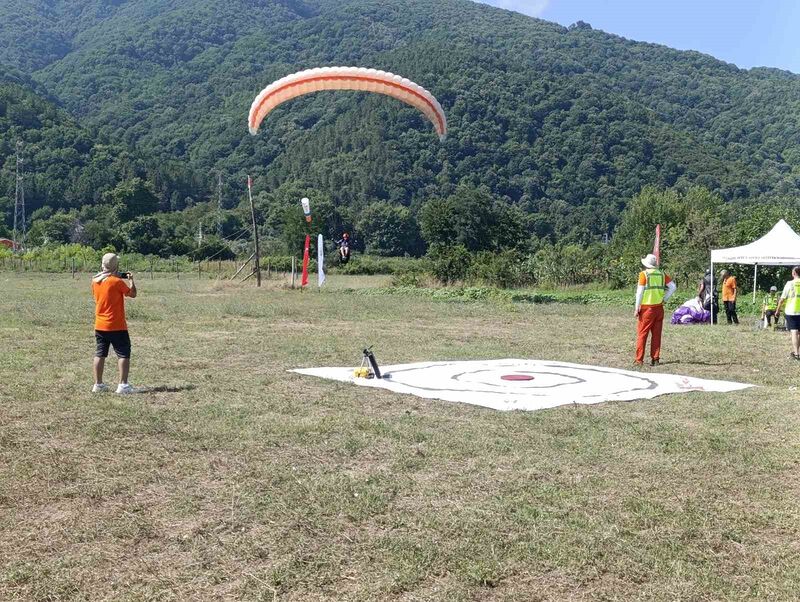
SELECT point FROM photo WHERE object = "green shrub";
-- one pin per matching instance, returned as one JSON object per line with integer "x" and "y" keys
{"x": 368, "y": 265}
{"x": 407, "y": 279}
{"x": 449, "y": 263}
{"x": 503, "y": 270}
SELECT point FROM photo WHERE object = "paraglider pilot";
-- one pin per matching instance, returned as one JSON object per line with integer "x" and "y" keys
{"x": 344, "y": 247}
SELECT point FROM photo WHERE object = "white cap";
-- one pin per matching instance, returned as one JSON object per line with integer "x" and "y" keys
{"x": 110, "y": 262}
{"x": 650, "y": 261}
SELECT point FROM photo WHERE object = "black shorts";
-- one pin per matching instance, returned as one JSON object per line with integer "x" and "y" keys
{"x": 120, "y": 339}
{"x": 792, "y": 322}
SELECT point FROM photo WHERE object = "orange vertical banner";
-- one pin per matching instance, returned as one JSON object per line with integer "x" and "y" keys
{"x": 304, "y": 279}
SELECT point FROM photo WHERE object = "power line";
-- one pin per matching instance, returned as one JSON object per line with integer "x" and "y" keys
{"x": 238, "y": 236}
{"x": 243, "y": 232}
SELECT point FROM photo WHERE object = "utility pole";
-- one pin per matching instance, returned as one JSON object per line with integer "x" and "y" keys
{"x": 20, "y": 229}
{"x": 200, "y": 234}
{"x": 219, "y": 204}
{"x": 257, "y": 267}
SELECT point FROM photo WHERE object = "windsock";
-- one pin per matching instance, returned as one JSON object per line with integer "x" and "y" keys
{"x": 306, "y": 208}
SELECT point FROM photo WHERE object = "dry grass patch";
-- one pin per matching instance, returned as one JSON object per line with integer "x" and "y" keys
{"x": 235, "y": 480}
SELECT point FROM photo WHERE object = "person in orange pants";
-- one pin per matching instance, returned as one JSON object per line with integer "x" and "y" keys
{"x": 654, "y": 288}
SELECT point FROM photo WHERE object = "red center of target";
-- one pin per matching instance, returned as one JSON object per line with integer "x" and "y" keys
{"x": 516, "y": 377}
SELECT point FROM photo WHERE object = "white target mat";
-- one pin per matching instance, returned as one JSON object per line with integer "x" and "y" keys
{"x": 524, "y": 384}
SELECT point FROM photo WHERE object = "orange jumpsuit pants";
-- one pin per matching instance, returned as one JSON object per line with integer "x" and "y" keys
{"x": 651, "y": 321}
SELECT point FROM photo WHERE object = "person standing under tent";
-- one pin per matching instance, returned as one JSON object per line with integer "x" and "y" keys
{"x": 770, "y": 305}
{"x": 704, "y": 293}
{"x": 791, "y": 295}
{"x": 654, "y": 288}
{"x": 729, "y": 297}
{"x": 110, "y": 327}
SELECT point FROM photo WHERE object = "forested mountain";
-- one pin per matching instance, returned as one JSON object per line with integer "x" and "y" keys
{"x": 65, "y": 164}
{"x": 97, "y": 185}
{"x": 565, "y": 123}
{"x": 53, "y": 140}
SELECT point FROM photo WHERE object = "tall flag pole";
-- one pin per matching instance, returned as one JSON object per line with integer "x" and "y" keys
{"x": 657, "y": 245}
{"x": 257, "y": 267}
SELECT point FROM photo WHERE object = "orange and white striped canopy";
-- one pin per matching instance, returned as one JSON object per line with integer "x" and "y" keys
{"x": 347, "y": 78}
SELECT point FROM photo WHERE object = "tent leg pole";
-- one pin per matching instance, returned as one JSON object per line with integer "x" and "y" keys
{"x": 755, "y": 280}
{"x": 712, "y": 293}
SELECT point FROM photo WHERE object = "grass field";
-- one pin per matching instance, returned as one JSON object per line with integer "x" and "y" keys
{"x": 235, "y": 480}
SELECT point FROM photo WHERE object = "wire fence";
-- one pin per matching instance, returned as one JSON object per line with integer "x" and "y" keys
{"x": 152, "y": 268}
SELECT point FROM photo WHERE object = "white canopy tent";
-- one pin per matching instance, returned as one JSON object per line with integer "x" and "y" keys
{"x": 780, "y": 246}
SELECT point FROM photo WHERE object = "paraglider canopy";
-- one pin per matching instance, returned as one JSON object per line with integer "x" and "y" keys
{"x": 346, "y": 78}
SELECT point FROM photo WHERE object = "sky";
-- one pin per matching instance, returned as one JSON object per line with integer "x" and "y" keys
{"x": 747, "y": 33}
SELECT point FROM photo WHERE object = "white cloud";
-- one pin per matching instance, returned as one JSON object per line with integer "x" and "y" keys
{"x": 534, "y": 8}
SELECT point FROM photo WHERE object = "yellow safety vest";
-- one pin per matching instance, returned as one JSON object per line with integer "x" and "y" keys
{"x": 771, "y": 302}
{"x": 655, "y": 287}
{"x": 793, "y": 300}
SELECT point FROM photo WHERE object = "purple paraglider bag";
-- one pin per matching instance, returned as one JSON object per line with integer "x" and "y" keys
{"x": 691, "y": 313}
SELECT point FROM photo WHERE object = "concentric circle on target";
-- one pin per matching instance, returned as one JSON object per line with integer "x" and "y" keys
{"x": 507, "y": 379}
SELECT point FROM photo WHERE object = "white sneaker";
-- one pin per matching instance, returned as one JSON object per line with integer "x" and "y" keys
{"x": 99, "y": 388}
{"x": 125, "y": 389}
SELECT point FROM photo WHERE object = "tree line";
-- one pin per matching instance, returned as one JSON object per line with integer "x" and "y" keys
{"x": 469, "y": 236}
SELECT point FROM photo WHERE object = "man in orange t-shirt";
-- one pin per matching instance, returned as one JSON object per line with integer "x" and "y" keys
{"x": 110, "y": 327}
{"x": 729, "y": 297}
